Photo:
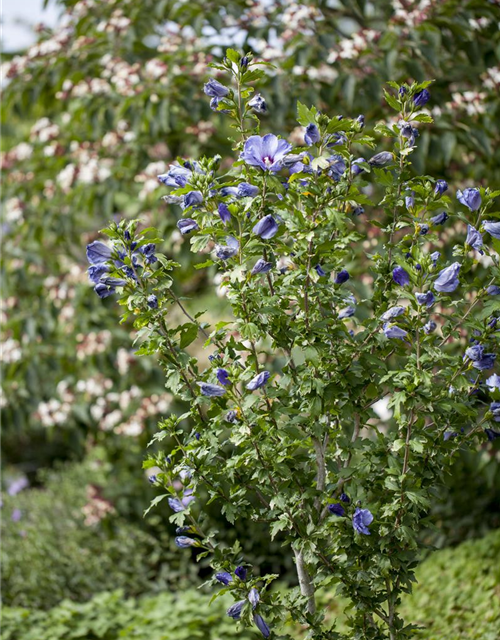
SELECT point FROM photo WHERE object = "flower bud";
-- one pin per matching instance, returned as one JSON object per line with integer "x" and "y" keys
{"x": 400, "y": 276}
{"x": 441, "y": 187}
{"x": 336, "y": 509}
{"x": 421, "y": 98}
{"x": 253, "y": 597}
{"x": 235, "y": 609}
{"x": 241, "y": 573}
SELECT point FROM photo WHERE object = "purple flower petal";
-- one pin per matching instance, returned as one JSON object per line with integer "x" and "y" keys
{"x": 447, "y": 280}
{"x": 98, "y": 252}
{"x": 493, "y": 228}
{"x": 258, "y": 381}
{"x": 266, "y": 228}
{"x": 361, "y": 519}
{"x": 211, "y": 390}
{"x": 400, "y": 276}
{"x": 265, "y": 152}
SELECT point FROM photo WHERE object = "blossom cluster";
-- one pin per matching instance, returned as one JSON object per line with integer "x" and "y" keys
{"x": 96, "y": 507}
{"x": 123, "y": 413}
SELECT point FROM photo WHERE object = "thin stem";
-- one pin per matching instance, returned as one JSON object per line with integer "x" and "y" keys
{"x": 400, "y": 188}
{"x": 306, "y": 286}
{"x": 195, "y": 465}
{"x": 308, "y": 278}
{"x": 241, "y": 113}
{"x": 407, "y": 447}
{"x": 392, "y": 609}
{"x": 341, "y": 482}
{"x": 164, "y": 333}
{"x": 467, "y": 313}
{"x": 417, "y": 341}
{"x": 184, "y": 311}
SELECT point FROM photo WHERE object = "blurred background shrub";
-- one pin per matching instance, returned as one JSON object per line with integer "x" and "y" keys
{"x": 75, "y": 535}
{"x": 66, "y": 540}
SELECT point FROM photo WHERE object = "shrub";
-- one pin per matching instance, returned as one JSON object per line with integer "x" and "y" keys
{"x": 469, "y": 504}
{"x": 456, "y": 597}
{"x": 330, "y": 316}
{"x": 82, "y": 144}
{"x": 67, "y": 541}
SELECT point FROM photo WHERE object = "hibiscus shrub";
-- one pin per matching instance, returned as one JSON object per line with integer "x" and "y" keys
{"x": 336, "y": 311}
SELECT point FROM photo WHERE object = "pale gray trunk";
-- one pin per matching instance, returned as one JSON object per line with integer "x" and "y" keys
{"x": 321, "y": 473}
{"x": 306, "y": 586}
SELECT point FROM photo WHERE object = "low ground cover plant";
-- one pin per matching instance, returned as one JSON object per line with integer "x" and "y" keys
{"x": 455, "y": 598}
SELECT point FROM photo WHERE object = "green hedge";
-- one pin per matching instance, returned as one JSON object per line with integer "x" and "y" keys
{"x": 66, "y": 541}
{"x": 456, "y": 598}
{"x": 458, "y": 592}
{"x": 109, "y": 616}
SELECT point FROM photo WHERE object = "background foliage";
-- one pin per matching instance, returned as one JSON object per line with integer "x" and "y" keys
{"x": 67, "y": 541}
